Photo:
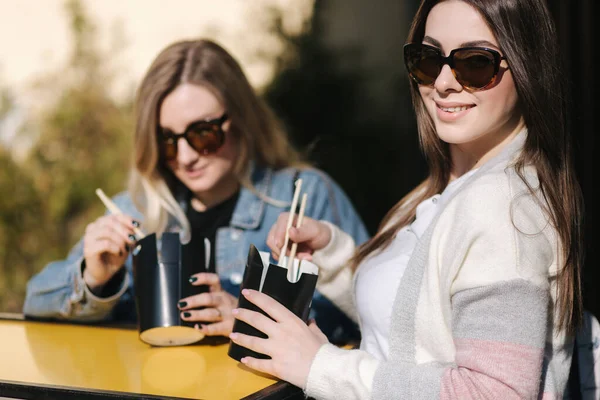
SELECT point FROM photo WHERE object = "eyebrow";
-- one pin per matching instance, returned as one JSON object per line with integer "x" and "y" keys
{"x": 198, "y": 121}
{"x": 474, "y": 43}
{"x": 432, "y": 41}
{"x": 479, "y": 43}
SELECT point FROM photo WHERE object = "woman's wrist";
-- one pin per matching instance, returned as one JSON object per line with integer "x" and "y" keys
{"x": 91, "y": 282}
{"x": 338, "y": 250}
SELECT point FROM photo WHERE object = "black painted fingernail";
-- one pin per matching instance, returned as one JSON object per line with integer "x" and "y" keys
{"x": 187, "y": 314}
{"x": 135, "y": 223}
{"x": 132, "y": 238}
{"x": 120, "y": 252}
{"x": 182, "y": 304}
{"x": 127, "y": 247}
{"x": 193, "y": 279}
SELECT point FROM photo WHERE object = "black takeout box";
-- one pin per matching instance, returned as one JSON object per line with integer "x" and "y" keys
{"x": 272, "y": 280}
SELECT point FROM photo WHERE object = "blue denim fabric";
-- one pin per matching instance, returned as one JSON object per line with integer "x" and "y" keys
{"x": 58, "y": 291}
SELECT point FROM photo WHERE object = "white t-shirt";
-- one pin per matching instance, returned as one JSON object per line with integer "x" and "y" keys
{"x": 379, "y": 276}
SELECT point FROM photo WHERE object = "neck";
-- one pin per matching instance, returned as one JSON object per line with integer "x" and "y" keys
{"x": 221, "y": 192}
{"x": 468, "y": 156}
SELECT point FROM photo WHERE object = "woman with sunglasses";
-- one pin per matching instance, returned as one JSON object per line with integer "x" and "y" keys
{"x": 211, "y": 161}
{"x": 471, "y": 287}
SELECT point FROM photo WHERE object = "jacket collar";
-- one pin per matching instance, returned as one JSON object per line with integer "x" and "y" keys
{"x": 250, "y": 208}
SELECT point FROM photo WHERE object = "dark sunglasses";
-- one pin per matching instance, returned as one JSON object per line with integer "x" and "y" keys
{"x": 474, "y": 68}
{"x": 206, "y": 137}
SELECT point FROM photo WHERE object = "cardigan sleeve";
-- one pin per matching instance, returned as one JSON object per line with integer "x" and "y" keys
{"x": 341, "y": 374}
{"x": 335, "y": 277}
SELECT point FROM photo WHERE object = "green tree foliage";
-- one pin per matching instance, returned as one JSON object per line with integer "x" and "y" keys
{"x": 84, "y": 142}
{"x": 21, "y": 234}
{"x": 85, "y": 139}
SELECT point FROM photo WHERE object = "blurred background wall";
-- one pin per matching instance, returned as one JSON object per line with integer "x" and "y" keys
{"x": 579, "y": 44}
{"x": 331, "y": 69}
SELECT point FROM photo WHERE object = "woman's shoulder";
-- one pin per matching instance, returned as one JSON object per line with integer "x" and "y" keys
{"x": 499, "y": 188}
{"x": 500, "y": 220}
{"x": 313, "y": 179}
{"x": 306, "y": 173}
{"x": 506, "y": 201}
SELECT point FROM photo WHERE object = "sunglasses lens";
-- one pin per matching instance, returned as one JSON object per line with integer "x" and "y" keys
{"x": 206, "y": 139}
{"x": 475, "y": 68}
{"x": 422, "y": 63}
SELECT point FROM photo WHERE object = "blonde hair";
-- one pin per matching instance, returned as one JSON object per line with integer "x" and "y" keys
{"x": 254, "y": 128}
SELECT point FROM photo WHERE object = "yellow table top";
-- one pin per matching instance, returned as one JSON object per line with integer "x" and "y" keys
{"x": 114, "y": 359}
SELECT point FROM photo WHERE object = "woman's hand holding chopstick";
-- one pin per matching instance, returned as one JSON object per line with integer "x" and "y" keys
{"x": 313, "y": 235}
{"x": 291, "y": 344}
{"x": 106, "y": 245}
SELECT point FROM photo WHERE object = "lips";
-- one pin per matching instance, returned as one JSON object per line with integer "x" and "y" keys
{"x": 454, "y": 108}
{"x": 195, "y": 172}
{"x": 450, "y": 112}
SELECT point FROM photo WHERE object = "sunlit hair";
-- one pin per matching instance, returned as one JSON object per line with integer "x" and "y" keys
{"x": 525, "y": 32}
{"x": 255, "y": 130}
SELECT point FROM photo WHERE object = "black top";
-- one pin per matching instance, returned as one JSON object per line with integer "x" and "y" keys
{"x": 204, "y": 224}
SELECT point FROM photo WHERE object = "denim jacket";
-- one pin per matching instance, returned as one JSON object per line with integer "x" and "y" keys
{"x": 58, "y": 291}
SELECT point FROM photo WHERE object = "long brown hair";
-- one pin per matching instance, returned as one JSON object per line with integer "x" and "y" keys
{"x": 254, "y": 128}
{"x": 526, "y": 34}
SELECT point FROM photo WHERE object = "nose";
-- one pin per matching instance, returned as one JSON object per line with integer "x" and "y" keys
{"x": 186, "y": 155}
{"x": 446, "y": 81}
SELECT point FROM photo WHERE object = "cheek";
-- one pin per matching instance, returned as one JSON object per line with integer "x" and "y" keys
{"x": 503, "y": 99}
{"x": 426, "y": 93}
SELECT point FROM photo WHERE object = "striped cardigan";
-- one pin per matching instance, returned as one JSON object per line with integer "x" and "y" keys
{"x": 473, "y": 316}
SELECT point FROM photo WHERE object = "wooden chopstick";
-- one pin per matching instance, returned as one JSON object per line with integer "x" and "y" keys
{"x": 112, "y": 207}
{"x": 290, "y": 221}
{"x": 296, "y": 270}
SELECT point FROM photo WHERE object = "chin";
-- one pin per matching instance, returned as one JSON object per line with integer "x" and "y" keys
{"x": 199, "y": 185}
{"x": 452, "y": 136}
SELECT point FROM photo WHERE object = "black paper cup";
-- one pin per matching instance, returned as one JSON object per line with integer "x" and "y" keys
{"x": 161, "y": 279}
{"x": 296, "y": 297}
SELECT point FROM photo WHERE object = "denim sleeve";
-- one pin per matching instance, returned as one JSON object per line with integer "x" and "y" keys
{"x": 58, "y": 291}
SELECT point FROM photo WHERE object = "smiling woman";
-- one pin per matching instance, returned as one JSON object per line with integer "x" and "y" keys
{"x": 211, "y": 162}
{"x": 471, "y": 287}
{"x": 476, "y": 116}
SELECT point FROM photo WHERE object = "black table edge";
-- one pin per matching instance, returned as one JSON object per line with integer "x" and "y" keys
{"x": 25, "y": 391}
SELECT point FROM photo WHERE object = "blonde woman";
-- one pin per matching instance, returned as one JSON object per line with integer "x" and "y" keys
{"x": 210, "y": 160}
